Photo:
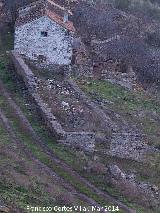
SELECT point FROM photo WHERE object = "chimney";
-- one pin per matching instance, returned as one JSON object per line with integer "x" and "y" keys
{"x": 65, "y": 17}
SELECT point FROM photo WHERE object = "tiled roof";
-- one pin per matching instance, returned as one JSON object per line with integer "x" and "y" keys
{"x": 44, "y": 8}
{"x": 59, "y": 20}
{"x": 58, "y": 6}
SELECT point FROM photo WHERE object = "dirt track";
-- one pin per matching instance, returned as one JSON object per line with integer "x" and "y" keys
{"x": 42, "y": 166}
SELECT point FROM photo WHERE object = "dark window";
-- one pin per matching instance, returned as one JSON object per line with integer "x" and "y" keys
{"x": 44, "y": 33}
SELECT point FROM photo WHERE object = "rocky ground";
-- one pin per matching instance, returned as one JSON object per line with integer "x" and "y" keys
{"x": 71, "y": 112}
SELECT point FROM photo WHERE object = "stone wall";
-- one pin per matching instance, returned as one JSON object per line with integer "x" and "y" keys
{"x": 82, "y": 140}
{"x": 129, "y": 144}
{"x": 30, "y": 82}
{"x": 55, "y": 48}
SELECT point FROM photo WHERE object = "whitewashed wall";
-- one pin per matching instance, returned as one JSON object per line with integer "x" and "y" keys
{"x": 56, "y": 47}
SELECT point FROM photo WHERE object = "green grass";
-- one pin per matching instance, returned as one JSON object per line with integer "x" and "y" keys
{"x": 27, "y": 139}
{"x": 6, "y": 40}
{"x": 121, "y": 97}
{"x": 43, "y": 157}
{"x": 128, "y": 104}
{"x": 20, "y": 195}
{"x": 69, "y": 158}
{"x": 23, "y": 196}
{"x": 151, "y": 127}
{"x": 9, "y": 190}
{"x": 4, "y": 74}
{"x": 4, "y": 137}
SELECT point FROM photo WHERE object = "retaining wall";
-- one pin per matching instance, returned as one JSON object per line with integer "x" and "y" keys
{"x": 83, "y": 140}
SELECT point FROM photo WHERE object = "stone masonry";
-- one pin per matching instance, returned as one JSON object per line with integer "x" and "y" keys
{"x": 53, "y": 49}
{"x": 83, "y": 140}
{"x": 42, "y": 34}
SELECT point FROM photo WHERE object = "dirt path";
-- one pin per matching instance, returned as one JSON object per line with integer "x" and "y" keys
{"x": 42, "y": 166}
{"x": 24, "y": 121}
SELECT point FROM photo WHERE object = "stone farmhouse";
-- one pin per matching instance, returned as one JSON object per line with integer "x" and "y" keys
{"x": 44, "y": 33}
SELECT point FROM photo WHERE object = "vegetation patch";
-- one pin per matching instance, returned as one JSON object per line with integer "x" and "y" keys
{"x": 121, "y": 97}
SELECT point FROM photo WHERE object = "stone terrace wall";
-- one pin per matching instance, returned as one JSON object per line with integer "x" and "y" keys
{"x": 30, "y": 81}
{"x": 82, "y": 140}
{"x": 131, "y": 145}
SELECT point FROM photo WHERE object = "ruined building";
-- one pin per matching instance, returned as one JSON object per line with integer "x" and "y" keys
{"x": 44, "y": 33}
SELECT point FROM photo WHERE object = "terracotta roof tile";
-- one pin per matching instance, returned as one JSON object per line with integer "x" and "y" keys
{"x": 40, "y": 8}
{"x": 58, "y": 19}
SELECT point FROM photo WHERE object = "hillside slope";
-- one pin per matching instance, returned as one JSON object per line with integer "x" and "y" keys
{"x": 35, "y": 169}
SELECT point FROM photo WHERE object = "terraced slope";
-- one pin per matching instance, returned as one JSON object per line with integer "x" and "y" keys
{"x": 19, "y": 128}
{"x": 27, "y": 181}
{"x": 31, "y": 170}
{"x": 71, "y": 170}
